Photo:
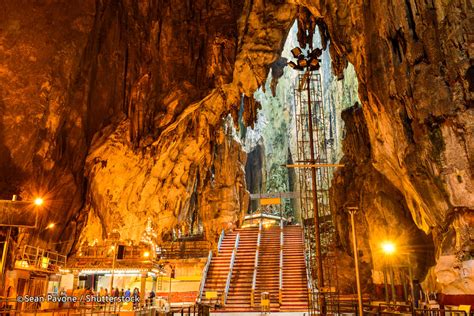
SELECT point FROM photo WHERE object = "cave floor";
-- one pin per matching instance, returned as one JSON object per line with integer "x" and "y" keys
{"x": 257, "y": 313}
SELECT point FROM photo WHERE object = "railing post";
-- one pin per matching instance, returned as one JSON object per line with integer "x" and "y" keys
{"x": 280, "y": 285}
{"x": 37, "y": 258}
{"x": 221, "y": 238}
{"x": 231, "y": 267}
{"x": 255, "y": 267}
{"x": 204, "y": 275}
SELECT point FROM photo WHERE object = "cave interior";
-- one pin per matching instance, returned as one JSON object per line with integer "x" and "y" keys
{"x": 151, "y": 127}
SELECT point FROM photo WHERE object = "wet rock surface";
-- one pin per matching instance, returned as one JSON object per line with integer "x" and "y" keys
{"x": 133, "y": 108}
{"x": 408, "y": 151}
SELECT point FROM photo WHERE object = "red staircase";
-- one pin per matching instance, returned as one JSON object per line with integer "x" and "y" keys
{"x": 295, "y": 284}
{"x": 240, "y": 289}
{"x": 219, "y": 268}
{"x": 268, "y": 270}
{"x": 295, "y": 288}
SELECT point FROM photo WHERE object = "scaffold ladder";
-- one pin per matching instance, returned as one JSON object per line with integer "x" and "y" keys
{"x": 314, "y": 148}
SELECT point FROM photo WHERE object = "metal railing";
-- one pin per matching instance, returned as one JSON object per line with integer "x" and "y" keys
{"x": 280, "y": 281}
{"x": 38, "y": 258}
{"x": 441, "y": 312}
{"x": 196, "y": 309}
{"x": 94, "y": 252}
{"x": 403, "y": 309}
{"x": 219, "y": 244}
{"x": 255, "y": 266}
{"x": 184, "y": 249}
{"x": 231, "y": 267}
{"x": 10, "y": 306}
{"x": 310, "y": 288}
{"x": 204, "y": 276}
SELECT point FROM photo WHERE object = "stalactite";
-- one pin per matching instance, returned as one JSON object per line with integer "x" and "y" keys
{"x": 323, "y": 32}
{"x": 251, "y": 107}
{"x": 277, "y": 71}
{"x": 306, "y": 27}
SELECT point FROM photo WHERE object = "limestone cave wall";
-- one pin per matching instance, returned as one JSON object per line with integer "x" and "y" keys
{"x": 114, "y": 110}
{"x": 412, "y": 60}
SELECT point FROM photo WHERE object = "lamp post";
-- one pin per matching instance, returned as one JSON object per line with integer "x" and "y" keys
{"x": 310, "y": 63}
{"x": 352, "y": 211}
{"x": 385, "y": 282}
{"x": 389, "y": 249}
{"x": 114, "y": 246}
{"x": 412, "y": 290}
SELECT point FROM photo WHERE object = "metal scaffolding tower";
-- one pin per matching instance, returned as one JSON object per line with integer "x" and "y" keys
{"x": 314, "y": 147}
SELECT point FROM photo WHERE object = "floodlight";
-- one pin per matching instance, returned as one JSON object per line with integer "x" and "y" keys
{"x": 388, "y": 247}
{"x": 316, "y": 53}
{"x": 39, "y": 201}
{"x": 302, "y": 62}
{"x": 296, "y": 52}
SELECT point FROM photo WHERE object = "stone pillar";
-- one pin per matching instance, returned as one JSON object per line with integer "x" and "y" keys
{"x": 45, "y": 285}
{"x": 75, "y": 281}
{"x": 143, "y": 287}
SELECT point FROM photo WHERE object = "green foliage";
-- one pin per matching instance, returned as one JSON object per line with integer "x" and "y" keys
{"x": 277, "y": 179}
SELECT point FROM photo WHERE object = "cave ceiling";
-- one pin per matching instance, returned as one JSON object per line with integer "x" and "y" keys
{"x": 116, "y": 111}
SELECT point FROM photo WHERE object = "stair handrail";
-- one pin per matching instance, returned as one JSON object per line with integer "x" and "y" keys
{"x": 204, "y": 275}
{"x": 219, "y": 244}
{"x": 310, "y": 284}
{"x": 231, "y": 267}
{"x": 280, "y": 283}
{"x": 255, "y": 266}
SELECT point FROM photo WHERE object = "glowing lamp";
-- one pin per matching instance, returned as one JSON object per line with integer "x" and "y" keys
{"x": 294, "y": 66}
{"x": 302, "y": 62}
{"x": 316, "y": 53}
{"x": 388, "y": 247}
{"x": 21, "y": 264}
{"x": 314, "y": 62}
{"x": 296, "y": 52}
{"x": 146, "y": 254}
{"x": 51, "y": 225}
{"x": 38, "y": 201}
{"x": 44, "y": 262}
{"x": 267, "y": 225}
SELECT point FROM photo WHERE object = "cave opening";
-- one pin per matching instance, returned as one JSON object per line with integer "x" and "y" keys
{"x": 272, "y": 143}
{"x": 123, "y": 116}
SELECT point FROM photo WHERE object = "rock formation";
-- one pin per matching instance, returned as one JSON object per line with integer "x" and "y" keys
{"x": 140, "y": 88}
{"x": 412, "y": 61}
